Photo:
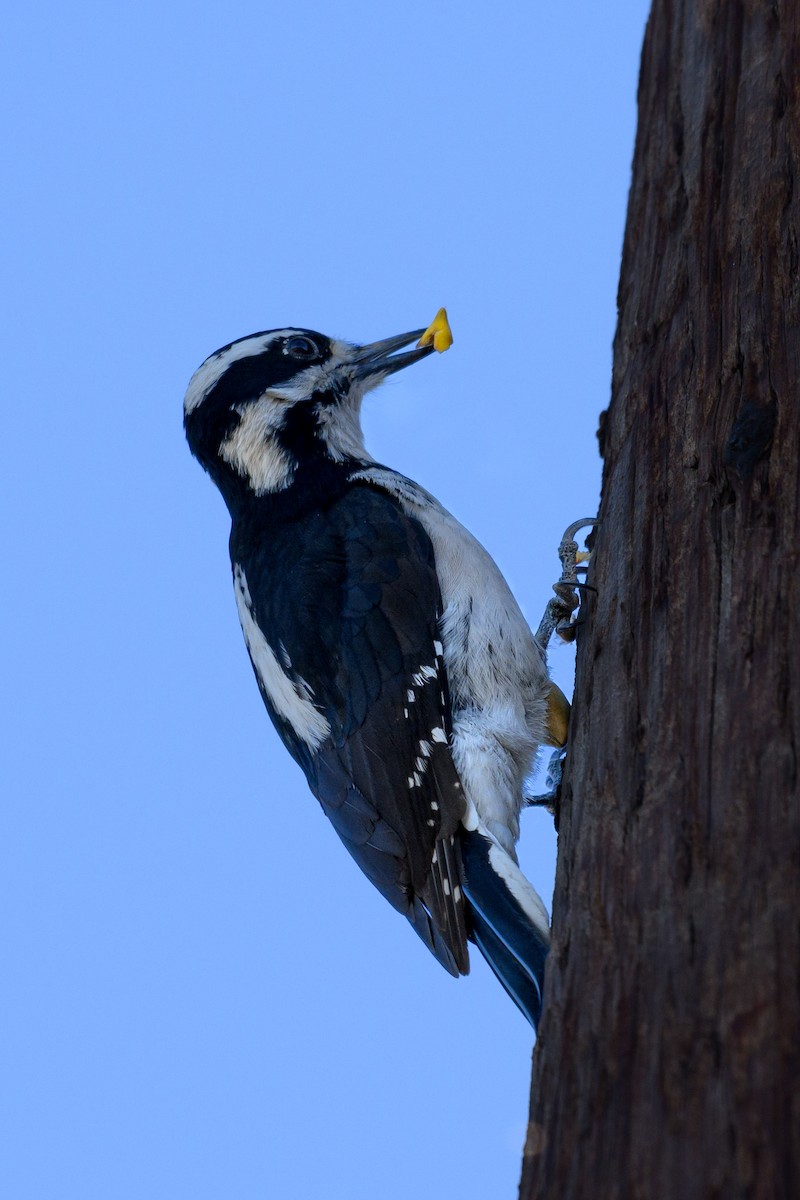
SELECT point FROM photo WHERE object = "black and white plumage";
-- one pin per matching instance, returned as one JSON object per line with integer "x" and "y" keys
{"x": 391, "y": 656}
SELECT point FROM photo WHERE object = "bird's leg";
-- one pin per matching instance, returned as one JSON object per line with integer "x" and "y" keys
{"x": 556, "y": 727}
{"x": 559, "y": 616}
{"x": 548, "y": 799}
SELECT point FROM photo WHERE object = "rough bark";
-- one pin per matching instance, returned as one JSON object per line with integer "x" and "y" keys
{"x": 668, "y": 1062}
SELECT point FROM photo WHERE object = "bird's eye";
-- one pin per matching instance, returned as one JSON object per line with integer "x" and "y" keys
{"x": 301, "y": 347}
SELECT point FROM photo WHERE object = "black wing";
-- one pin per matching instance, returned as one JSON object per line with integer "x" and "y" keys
{"x": 349, "y": 601}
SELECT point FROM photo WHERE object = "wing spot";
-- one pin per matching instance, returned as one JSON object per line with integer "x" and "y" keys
{"x": 439, "y": 735}
{"x": 446, "y": 886}
{"x": 424, "y": 673}
{"x": 434, "y": 806}
{"x": 431, "y": 823}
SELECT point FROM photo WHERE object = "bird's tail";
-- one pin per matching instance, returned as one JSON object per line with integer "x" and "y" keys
{"x": 508, "y": 921}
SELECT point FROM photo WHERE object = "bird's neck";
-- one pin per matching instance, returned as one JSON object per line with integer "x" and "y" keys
{"x": 315, "y": 485}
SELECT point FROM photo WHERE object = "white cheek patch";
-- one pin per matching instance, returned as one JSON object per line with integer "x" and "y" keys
{"x": 291, "y": 701}
{"x": 253, "y": 450}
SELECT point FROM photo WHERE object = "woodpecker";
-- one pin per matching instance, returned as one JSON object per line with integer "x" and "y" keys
{"x": 393, "y": 659}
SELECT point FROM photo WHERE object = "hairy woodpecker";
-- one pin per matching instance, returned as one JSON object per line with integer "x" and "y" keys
{"x": 389, "y": 651}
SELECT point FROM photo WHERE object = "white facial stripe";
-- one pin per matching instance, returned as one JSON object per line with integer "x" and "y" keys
{"x": 253, "y": 451}
{"x": 212, "y": 370}
{"x": 317, "y": 376}
{"x": 291, "y": 701}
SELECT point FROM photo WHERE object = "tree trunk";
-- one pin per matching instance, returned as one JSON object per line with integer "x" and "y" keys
{"x": 668, "y": 1063}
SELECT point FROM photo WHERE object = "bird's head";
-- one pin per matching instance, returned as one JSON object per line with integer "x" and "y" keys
{"x": 261, "y": 407}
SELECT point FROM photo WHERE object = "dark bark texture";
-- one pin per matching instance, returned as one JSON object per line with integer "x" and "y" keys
{"x": 668, "y": 1063}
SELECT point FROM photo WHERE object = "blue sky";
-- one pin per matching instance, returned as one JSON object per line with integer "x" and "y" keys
{"x": 203, "y": 997}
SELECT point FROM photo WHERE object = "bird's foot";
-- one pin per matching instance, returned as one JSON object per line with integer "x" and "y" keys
{"x": 560, "y": 614}
{"x": 552, "y": 782}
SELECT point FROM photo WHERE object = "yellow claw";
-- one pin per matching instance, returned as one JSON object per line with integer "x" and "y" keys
{"x": 557, "y": 721}
{"x": 438, "y": 333}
